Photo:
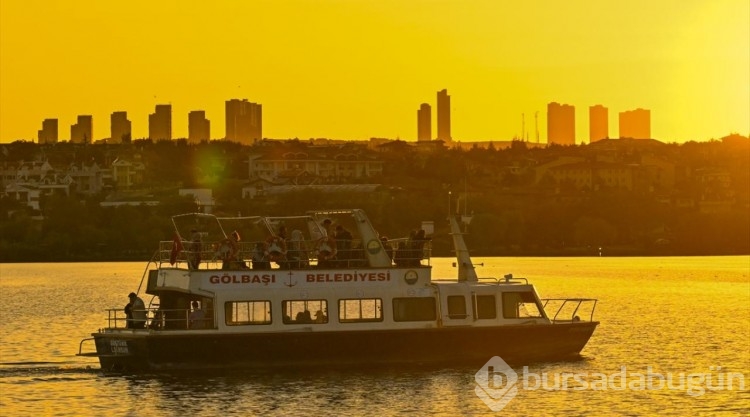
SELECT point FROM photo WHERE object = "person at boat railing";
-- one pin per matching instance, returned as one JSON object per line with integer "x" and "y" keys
{"x": 404, "y": 255}
{"x": 296, "y": 254}
{"x": 387, "y": 246}
{"x": 157, "y": 322}
{"x": 229, "y": 251}
{"x": 343, "y": 245}
{"x": 129, "y": 315}
{"x": 418, "y": 246}
{"x": 326, "y": 246}
{"x": 197, "y": 317}
{"x": 276, "y": 250}
{"x": 138, "y": 311}
{"x": 259, "y": 258}
{"x": 194, "y": 256}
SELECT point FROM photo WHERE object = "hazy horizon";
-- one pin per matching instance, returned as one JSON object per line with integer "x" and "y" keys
{"x": 361, "y": 69}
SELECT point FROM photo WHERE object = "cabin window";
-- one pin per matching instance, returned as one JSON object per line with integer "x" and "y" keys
{"x": 360, "y": 310}
{"x": 484, "y": 307}
{"x": 520, "y": 305}
{"x": 414, "y": 309}
{"x": 241, "y": 313}
{"x": 457, "y": 307}
{"x": 305, "y": 311}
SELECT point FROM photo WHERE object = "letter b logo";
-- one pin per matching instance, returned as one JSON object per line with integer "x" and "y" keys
{"x": 496, "y": 383}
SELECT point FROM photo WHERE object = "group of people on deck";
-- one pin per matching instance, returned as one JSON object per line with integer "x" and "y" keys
{"x": 333, "y": 245}
{"x": 411, "y": 252}
{"x": 285, "y": 251}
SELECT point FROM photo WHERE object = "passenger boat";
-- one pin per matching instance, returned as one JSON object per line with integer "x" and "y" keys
{"x": 284, "y": 292}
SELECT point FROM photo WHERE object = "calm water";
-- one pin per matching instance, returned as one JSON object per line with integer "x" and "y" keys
{"x": 675, "y": 315}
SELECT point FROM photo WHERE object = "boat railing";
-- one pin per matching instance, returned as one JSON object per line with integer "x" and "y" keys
{"x": 156, "y": 319}
{"x": 409, "y": 252}
{"x": 297, "y": 255}
{"x": 507, "y": 280}
{"x": 569, "y": 310}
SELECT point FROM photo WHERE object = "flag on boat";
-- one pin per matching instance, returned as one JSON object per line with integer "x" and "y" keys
{"x": 176, "y": 249}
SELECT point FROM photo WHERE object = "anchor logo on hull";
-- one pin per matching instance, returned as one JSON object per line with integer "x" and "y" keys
{"x": 289, "y": 283}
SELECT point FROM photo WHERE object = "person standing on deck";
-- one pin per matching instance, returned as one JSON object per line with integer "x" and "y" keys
{"x": 138, "y": 311}
{"x": 129, "y": 315}
{"x": 194, "y": 258}
{"x": 197, "y": 317}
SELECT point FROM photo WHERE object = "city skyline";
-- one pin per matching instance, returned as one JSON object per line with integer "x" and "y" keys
{"x": 244, "y": 124}
{"x": 355, "y": 70}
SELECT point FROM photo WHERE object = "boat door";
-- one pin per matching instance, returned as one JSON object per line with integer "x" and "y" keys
{"x": 455, "y": 303}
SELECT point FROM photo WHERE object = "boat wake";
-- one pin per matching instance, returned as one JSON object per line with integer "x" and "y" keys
{"x": 46, "y": 369}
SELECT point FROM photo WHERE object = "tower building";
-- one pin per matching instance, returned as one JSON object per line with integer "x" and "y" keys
{"x": 244, "y": 121}
{"x": 598, "y": 123}
{"x": 199, "y": 128}
{"x": 424, "y": 122}
{"x": 561, "y": 124}
{"x": 120, "y": 127}
{"x": 635, "y": 124}
{"x": 444, "y": 115}
{"x": 160, "y": 123}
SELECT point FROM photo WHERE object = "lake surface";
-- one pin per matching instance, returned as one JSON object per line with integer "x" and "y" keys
{"x": 674, "y": 333}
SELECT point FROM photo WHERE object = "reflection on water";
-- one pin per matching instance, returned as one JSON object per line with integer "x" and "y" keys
{"x": 671, "y": 314}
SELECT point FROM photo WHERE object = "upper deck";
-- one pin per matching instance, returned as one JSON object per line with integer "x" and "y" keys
{"x": 340, "y": 239}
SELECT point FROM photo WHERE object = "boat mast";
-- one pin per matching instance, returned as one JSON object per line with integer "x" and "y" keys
{"x": 466, "y": 271}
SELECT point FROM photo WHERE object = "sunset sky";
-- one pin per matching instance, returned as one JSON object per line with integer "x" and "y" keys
{"x": 355, "y": 69}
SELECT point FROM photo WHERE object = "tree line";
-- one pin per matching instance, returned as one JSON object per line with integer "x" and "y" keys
{"x": 512, "y": 215}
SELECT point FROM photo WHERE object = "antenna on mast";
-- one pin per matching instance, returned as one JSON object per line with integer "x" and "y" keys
{"x": 536, "y": 125}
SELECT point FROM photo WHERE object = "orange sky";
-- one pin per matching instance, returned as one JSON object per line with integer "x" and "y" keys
{"x": 355, "y": 69}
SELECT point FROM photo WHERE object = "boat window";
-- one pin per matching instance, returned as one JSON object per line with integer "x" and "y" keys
{"x": 360, "y": 310}
{"x": 414, "y": 309}
{"x": 520, "y": 305}
{"x": 457, "y": 307}
{"x": 484, "y": 307}
{"x": 240, "y": 313}
{"x": 305, "y": 311}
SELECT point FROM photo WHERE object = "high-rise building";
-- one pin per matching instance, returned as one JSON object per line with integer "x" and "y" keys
{"x": 561, "y": 124}
{"x": 81, "y": 132}
{"x": 598, "y": 123}
{"x": 443, "y": 115}
{"x": 635, "y": 124}
{"x": 244, "y": 121}
{"x": 120, "y": 127}
{"x": 160, "y": 123}
{"x": 199, "y": 128}
{"x": 424, "y": 122}
{"x": 48, "y": 134}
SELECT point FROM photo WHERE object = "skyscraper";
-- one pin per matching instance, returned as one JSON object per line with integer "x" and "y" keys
{"x": 598, "y": 123}
{"x": 424, "y": 122}
{"x": 81, "y": 132}
{"x": 48, "y": 134}
{"x": 635, "y": 124}
{"x": 444, "y": 115}
{"x": 561, "y": 124}
{"x": 199, "y": 128}
{"x": 160, "y": 123}
{"x": 120, "y": 127}
{"x": 244, "y": 121}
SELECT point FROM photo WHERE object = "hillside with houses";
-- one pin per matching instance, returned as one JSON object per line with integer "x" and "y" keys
{"x": 619, "y": 197}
